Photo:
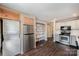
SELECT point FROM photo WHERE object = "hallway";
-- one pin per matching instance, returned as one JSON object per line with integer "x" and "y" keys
{"x": 52, "y": 49}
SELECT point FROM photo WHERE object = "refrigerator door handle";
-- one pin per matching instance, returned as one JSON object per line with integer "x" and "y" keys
{"x": 29, "y": 34}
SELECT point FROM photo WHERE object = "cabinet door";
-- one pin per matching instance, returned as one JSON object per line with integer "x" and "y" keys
{"x": 0, "y": 12}
{"x": 72, "y": 24}
{"x": 67, "y": 23}
{"x": 57, "y": 38}
{"x": 27, "y": 21}
{"x": 5, "y": 13}
{"x": 72, "y": 40}
{"x": 77, "y": 24}
{"x": 9, "y": 15}
{"x": 58, "y": 26}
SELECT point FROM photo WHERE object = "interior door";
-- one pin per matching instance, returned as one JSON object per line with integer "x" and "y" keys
{"x": 11, "y": 35}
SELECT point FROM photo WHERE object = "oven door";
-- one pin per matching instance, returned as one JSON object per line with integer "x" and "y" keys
{"x": 65, "y": 39}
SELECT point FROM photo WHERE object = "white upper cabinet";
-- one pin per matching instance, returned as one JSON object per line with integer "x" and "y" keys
{"x": 67, "y": 23}
{"x": 77, "y": 24}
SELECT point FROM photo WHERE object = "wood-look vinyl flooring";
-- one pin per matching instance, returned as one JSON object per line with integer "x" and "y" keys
{"x": 52, "y": 49}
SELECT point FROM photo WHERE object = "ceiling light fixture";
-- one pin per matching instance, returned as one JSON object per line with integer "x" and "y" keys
{"x": 75, "y": 15}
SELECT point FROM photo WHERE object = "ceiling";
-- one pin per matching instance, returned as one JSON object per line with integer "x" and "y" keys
{"x": 46, "y": 11}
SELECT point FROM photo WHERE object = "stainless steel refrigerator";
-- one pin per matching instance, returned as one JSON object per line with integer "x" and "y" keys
{"x": 28, "y": 37}
{"x": 11, "y": 36}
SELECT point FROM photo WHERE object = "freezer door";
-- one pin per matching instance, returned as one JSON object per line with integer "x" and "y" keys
{"x": 31, "y": 41}
{"x": 28, "y": 43}
{"x": 11, "y": 43}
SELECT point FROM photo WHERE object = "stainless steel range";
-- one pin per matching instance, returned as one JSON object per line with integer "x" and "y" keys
{"x": 65, "y": 39}
{"x": 65, "y": 35}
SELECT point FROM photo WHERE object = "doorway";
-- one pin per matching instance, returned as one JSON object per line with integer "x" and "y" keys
{"x": 1, "y": 36}
{"x": 50, "y": 30}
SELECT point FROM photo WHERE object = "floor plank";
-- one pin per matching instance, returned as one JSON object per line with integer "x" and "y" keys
{"x": 52, "y": 49}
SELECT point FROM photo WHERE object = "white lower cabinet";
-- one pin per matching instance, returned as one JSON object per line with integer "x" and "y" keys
{"x": 73, "y": 40}
{"x": 57, "y": 38}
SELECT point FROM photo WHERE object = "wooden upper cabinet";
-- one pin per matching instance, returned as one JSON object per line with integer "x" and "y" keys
{"x": 0, "y": 12}
{"x": 8, "y": 14}
{"x": 28, "y": 21}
